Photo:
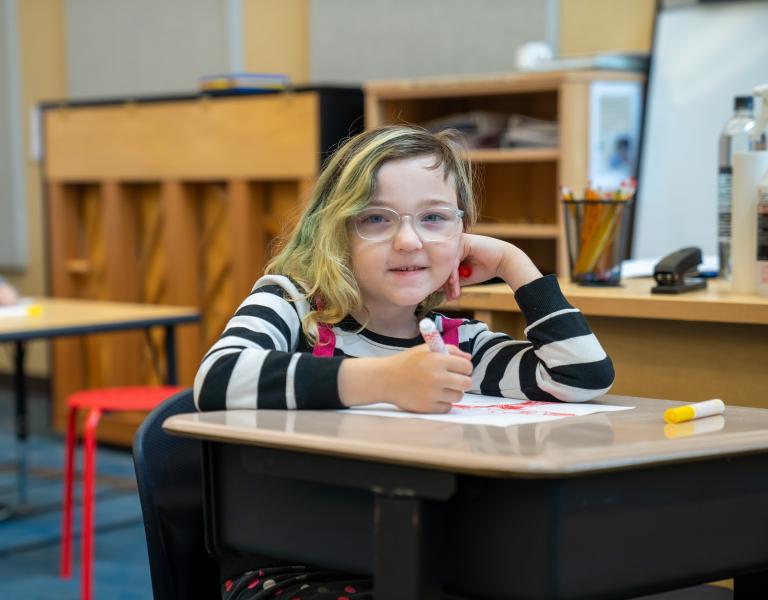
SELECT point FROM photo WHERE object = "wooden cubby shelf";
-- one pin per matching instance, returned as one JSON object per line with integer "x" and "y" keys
{"x": 502, "y": 155}
{"x": 517, "y": 187}
{"x": 517, "y": 230}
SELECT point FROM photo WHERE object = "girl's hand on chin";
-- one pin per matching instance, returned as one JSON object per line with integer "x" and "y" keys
{"x": 487, "y": 258}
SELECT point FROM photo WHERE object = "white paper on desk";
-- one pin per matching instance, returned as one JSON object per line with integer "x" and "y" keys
{"x": 476, "y": 409}
{"x": 20, "y": 309}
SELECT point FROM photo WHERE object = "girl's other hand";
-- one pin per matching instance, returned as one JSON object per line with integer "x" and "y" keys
{"x": 487, "y": 258}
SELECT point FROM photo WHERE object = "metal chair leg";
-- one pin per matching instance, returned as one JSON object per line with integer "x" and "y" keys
{"x": 65, "y": 559}
{"x": 89, "y": 478}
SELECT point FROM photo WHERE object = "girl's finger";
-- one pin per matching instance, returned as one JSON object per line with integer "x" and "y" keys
{"x": 456, "y": 351}
{"x": 456, "y": 290}
{"x": 448, "y": 289}
{"x": 451, "y": 287}
{"x": 456, "y": 284}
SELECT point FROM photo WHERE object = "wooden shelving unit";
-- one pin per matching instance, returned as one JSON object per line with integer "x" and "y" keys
{"x": 173, "y": 201}
{"x": 508, "y": 155}
{"x": 517, "y": 187}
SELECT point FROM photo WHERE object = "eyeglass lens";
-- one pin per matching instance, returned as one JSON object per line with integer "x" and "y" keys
{"x": 434, "y": 224}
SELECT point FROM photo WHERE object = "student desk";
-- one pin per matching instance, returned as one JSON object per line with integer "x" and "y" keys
{"x": 691, "y": 347}
{"x": 63, "y": 317}
{"x": 611, "y": 505}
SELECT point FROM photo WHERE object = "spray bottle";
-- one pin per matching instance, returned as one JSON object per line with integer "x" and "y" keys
{"x": 759, "y": 137}
{"x": 750, "y": 176}
{"x": 758, "y": 134}
{"x": 759, "y": 140}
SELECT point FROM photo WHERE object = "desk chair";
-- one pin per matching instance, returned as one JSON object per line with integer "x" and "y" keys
{"x": 96, "y": 402}
{"x": 169, "y": 475}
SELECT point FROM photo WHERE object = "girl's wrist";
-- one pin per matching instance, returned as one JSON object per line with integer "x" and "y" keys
{"x": 355, "y": 376}
{"x": 516, "y": 268}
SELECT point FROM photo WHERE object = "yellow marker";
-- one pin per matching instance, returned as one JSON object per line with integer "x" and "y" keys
{"x": 694, "y": 411}
{"x": 34, "y": 310}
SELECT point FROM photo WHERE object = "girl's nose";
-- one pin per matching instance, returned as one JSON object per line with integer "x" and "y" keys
{"x": 406, "y": 238}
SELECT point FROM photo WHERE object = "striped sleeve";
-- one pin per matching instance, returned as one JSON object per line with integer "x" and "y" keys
{"x": 254, "y": 363}
{"x": 561, "y": 358}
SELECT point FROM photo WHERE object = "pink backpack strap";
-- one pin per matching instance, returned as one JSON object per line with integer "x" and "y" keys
{"x": 451, "y": 330}
{"x": 326, "y": 339}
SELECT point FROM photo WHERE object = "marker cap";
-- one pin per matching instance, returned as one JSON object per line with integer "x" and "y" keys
{"x": 679, "y": 414}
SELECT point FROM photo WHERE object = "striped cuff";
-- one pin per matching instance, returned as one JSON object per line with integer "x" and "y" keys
{"x": 316, "y": 382}
{"x": 540, "y": 298}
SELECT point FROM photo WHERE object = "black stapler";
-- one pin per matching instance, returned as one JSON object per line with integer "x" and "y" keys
{"x": 675, "y": 273}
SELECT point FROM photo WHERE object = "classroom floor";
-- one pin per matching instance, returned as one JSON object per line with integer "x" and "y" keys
{"x": 29, "y": 542}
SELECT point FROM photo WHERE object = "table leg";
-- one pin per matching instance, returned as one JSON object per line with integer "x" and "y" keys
{"x": 170, "y": 353}
{"x": 753, "y": 585}
{"x": 21, "y": 425}
{"x": 398, "y": 570}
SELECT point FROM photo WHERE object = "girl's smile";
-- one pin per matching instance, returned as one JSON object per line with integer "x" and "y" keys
{"x": 407, "y": 270}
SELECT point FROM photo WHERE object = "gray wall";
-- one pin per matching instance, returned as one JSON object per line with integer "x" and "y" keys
{"x": 140, "y": 47}
{"x": 13, "y": 249}
{"x": 355, "y": 40}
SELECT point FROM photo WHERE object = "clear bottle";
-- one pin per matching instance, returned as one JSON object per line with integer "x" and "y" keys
{"x": 735, "y": 137}
{"x": 762, "y": 236}
{"x": 760, "y": 142}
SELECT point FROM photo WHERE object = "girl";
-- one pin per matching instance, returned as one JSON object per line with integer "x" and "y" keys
{"x": 378, "y": 246}
{"x": 8, "y": 293}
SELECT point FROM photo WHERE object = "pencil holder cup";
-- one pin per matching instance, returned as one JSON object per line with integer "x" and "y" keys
{"x": 596, "y": 232}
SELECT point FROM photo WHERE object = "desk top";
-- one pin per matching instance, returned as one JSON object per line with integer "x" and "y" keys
{"x": 69, "y": 316}
{"x": 569, "y": 446}
{"x": 634, "y": 299}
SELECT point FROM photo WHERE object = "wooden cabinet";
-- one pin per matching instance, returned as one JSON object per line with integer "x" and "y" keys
{"x": 173, "y": 201}
{"x": 517, "y": 187}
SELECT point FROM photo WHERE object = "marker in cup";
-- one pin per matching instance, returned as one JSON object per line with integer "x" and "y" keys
{"x": 431, "y": 336}
{"x": 694, "y": 411}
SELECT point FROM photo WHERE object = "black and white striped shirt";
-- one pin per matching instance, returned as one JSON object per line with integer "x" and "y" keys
{"x": 263, "y": 359}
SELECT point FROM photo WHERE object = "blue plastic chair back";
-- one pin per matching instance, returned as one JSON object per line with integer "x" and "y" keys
{"x": 169, "y": 475}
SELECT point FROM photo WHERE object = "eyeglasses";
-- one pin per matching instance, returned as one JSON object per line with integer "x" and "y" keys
{"x": 432, "y": 225}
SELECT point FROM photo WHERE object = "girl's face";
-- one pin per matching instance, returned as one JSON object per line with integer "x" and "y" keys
{"x": 403, "y": 270}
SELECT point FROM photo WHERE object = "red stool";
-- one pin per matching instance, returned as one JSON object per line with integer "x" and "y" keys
{"x": 118, "y": 399}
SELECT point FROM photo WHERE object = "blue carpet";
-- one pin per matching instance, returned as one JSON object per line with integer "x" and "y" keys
{"x": 29, "y": 541}
{"x": 121, "y": 570}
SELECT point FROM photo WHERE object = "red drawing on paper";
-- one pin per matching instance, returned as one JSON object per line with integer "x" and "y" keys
{"x": 532, "y": 407}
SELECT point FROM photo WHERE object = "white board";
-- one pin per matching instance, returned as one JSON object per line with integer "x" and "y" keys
{"x": 703, "y": 56}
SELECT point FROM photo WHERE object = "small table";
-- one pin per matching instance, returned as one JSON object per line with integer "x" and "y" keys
{"x": 693, "y": 346}
{"x": 608, "y": 505}
{"x": 57, "y": 317}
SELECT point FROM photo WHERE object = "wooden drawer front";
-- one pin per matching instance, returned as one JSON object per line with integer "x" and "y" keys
{"x": 271, "y": 136}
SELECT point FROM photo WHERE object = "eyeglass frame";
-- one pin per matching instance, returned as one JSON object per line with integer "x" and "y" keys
{"x": 456, "y": 211}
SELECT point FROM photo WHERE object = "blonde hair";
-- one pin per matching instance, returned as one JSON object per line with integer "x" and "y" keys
{"x": 316, "y": 253}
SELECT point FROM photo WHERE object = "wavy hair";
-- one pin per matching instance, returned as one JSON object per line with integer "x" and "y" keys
{"x": 316, "y": 253}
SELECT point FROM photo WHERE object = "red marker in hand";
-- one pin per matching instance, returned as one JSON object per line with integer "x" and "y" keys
{"x": 465, "y": 271}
